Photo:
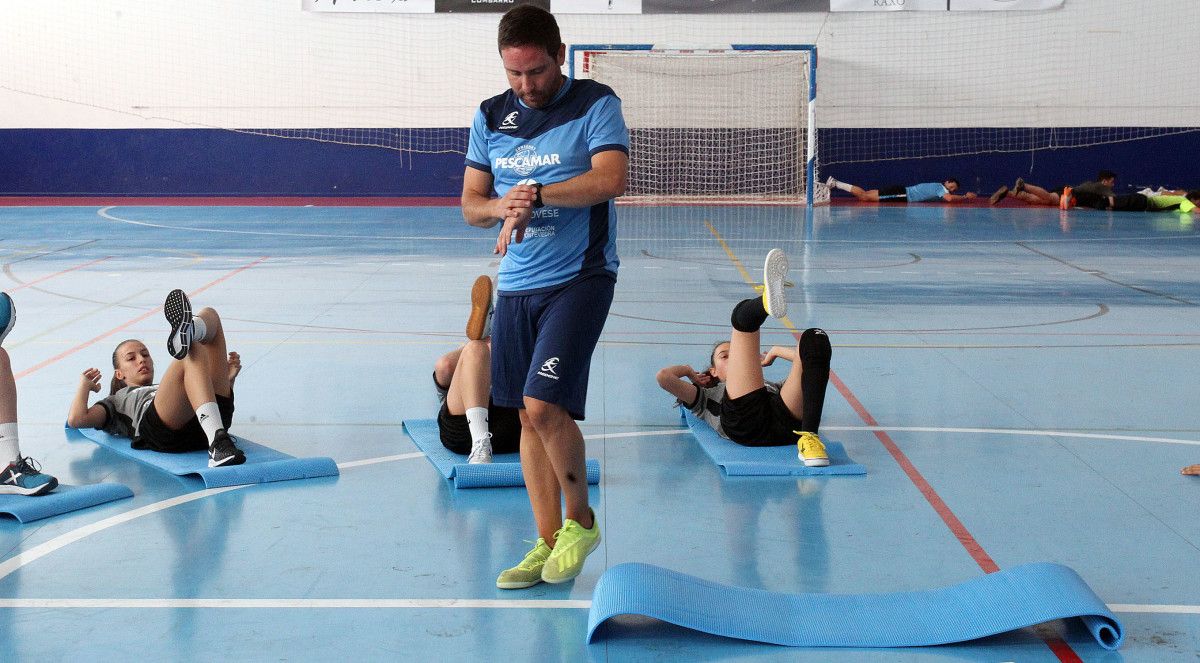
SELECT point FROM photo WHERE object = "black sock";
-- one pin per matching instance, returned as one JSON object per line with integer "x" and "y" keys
{"x": 815, "y": 352}
{"x": 748, "y": 315}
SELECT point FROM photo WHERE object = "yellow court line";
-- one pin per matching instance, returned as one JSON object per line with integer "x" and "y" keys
{"x": 745, "y": 274}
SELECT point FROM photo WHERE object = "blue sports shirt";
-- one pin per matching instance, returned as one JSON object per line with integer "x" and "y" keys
{"x": 926, "y": 193}
{"x": 518, "y": 144}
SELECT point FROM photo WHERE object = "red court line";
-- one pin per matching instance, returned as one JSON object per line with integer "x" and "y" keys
{"x": 228, "y": 201}
{"x": 1060, "y": 648}
{"x": 129, "y": 323}
{"x": 69, "y": 269}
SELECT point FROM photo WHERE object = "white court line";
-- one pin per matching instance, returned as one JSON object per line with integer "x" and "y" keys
{"x": 62, "y": 540}
{"x": 103, "y": 212}
{"x": 653, "y": 433}
{"x": 1013, "y": 431}
{"x": 381, "y": 459}
{"x": 273, "y": 604}
{"x": 1158, "y": 609}
{"x": 392, "y": 604}
{"x": 23, "y": 558}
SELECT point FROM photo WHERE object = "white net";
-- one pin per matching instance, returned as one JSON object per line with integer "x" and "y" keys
{"x": 893, "y": 85}
{"x": 711, "y": 126}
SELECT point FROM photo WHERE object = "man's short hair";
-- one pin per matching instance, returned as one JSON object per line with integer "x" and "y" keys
{"x": 529, "y": 25}
{"x": 951, "y": 179}
{"x": 1106, "y": 175}
{"x": 1194, "y": 196}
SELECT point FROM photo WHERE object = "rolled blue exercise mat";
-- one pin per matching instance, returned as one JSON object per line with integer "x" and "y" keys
{"x": 1000, "y": 602}
{"x": 737, "y": 460}
{"x": 503, "y": 472}
{"x": 263, "y": 464}
{"x": 63, "y": 499}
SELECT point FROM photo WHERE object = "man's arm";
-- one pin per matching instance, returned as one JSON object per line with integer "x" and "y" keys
{"x": 951, "y": 198}
{"x": 480, "y": 208}
{"x": 606, "y": 180}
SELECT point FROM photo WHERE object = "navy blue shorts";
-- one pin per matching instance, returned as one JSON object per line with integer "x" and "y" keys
{"x": 542, "y": 343}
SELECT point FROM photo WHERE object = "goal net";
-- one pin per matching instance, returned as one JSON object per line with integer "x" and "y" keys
{"x": 713, "y": 126}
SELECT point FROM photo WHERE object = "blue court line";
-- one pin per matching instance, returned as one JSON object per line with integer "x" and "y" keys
{"x": 995, "y": 603}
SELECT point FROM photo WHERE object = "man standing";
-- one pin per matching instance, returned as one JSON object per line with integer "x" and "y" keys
{"x": 546, "y": 159}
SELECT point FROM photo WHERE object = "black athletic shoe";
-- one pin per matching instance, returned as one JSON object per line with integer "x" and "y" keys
{"x": 178, "y": 311}
{"x": 223, "y": 451}
{"x": 998, "y": 196}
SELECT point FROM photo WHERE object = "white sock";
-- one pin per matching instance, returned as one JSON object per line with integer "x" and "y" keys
{"x": 210, "y": 419}
{"x": 477, "y": 421}
{"x": 10, "y": 447}
{"x": 842, "y": 185}
{"x": 199, "y": 329}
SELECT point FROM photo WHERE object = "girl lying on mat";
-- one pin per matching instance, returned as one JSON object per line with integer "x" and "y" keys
{"x": 19, "y": 475}
{"x": 731, "y": 395}
{"x": 468, "y": 421}
{"x": 190, "y": 410}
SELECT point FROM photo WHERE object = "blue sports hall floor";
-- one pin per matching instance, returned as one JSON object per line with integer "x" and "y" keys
{"x": 1020, "y": 383}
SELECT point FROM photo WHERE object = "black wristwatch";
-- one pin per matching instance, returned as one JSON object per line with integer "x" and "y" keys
{"x": 537, "y": 202}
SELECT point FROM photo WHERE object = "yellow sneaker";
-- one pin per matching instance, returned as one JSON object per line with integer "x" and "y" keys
{"x": 529, "y": 572}
{"x": 572, "y": 545}
{"x": 811, "y": 450}
{"x": 774, "y": 299}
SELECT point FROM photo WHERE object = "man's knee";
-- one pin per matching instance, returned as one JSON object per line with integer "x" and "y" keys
{"x": 544, "y": 416}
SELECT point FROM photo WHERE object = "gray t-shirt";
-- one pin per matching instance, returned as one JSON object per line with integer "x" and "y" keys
{"x": 708, "y": 401}
{"x": 126, "y": 408}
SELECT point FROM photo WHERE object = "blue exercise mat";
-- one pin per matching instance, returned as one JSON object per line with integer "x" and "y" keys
{"x": 62, "y": 499}
{"x": 503, "y": 472}
{"x": 263, "y": 464}
{"x": 738, "y": 460}
{"x": 995, "y": 603}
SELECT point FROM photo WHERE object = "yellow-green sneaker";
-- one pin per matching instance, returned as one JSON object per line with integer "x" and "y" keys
{"x": 572, "y": 545}
{"x": 529, "y": 572}
{"x": 811, "y": 450}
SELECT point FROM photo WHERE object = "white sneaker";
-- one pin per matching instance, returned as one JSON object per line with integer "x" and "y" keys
{"x": 481, "y": 451}
{"x": 775, "y": 267}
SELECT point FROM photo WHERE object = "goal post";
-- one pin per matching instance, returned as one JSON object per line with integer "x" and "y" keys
{"x": 728, "y": 125}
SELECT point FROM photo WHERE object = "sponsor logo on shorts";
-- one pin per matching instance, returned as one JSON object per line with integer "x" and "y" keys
{"x": 547, "y": 369}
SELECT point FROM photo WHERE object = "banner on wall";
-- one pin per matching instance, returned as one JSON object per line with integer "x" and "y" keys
{"x": 394, "y": 6}
{"x": 942, "y": 5}
{"x": 674, "y": 6}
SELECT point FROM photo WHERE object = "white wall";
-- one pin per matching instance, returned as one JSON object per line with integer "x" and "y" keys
{"x": 266, "y": 63}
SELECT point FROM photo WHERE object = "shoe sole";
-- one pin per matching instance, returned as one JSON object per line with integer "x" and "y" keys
{"x": 516, "y": 585}
{"x": 30, "y": 492}
{"x": 775, "y": 267}
{"x": 559, "y": 581}
{"x": 12, "y": 316}
{"x": 998, "y": 196}
{"x": 815, "y": 462}
{"x": 481, "y": 305}
{"x": 178, "y": 311}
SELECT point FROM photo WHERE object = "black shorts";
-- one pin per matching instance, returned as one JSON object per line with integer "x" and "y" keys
{"x": 759, "y": 419}
{"x": 1090, "y": 200}
{"x": 893, "y": 194}
{"x": 1134, "y": 202}
{"x": 504, "y": 423}
{"x": 155, "y": 435}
